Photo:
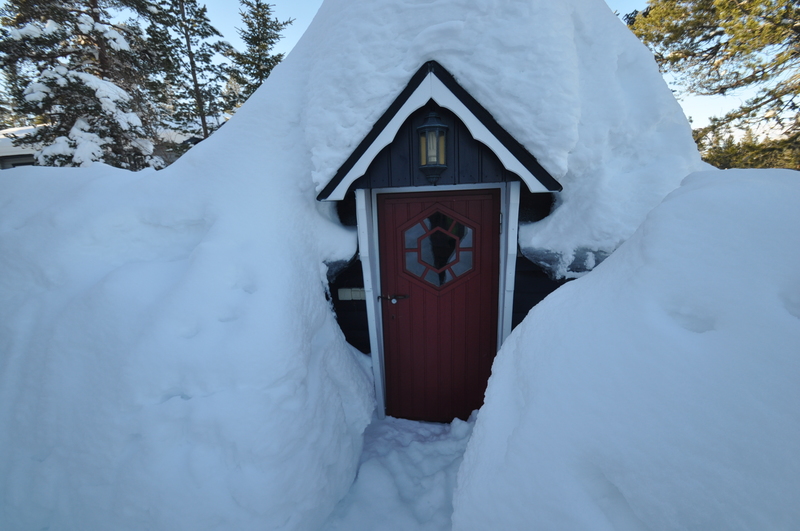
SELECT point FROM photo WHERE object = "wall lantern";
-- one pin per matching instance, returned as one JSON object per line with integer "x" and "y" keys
{"x": 432, "y": 147}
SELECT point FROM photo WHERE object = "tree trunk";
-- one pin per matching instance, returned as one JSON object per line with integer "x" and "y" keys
{"x": 198, "y": 96}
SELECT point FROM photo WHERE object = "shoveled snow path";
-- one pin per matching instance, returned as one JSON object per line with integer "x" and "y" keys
{"x": 405, "y": 478}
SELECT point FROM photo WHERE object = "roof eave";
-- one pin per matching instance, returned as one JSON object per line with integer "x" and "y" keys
{"x": 433, "y": 82}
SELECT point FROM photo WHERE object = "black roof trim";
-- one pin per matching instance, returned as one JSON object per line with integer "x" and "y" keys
{"x": 513, "y": 146}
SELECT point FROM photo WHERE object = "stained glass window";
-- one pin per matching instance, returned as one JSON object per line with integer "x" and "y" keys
{"x": 438, "y": 249}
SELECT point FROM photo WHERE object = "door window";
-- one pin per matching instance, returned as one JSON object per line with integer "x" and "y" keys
{"x": 438, "y": 248}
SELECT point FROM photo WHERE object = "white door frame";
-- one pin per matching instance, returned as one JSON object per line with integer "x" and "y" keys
{"x": 369, "y": 251}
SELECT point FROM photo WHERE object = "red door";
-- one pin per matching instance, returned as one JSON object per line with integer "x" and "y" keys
{"x": 439, "y": 276}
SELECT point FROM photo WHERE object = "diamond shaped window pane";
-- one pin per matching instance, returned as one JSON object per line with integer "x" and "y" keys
{"x": 438, "y": 249}
{"x": 439, "y": 279}
{"x": 434, "y": 278}
{"x": 413, "y": 265}
{"x": 466, "y": 239}
{"x": 413, "y": 234}
{"x": 464, "y": 263}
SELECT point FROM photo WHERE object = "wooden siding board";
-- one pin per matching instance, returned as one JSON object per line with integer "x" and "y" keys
{"x": 531, "y": 286}
{"x": 401, "y": 161}
{"x": 379, "y": 172}
{"x": 492, "y": 171}
{"x": 469, "y": 161}
{"x": 469, "y": 169}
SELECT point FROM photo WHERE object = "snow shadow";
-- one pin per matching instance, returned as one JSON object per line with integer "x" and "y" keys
{"x": 405, "y": 478}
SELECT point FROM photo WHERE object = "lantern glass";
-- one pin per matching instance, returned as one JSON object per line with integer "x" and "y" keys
{"x": 432, "y": 147}
{"x": 432, "y": 138}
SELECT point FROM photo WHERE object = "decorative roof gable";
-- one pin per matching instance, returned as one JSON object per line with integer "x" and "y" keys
{"x": 433, "y": 82}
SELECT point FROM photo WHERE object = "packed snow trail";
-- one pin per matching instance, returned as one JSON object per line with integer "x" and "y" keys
{"x": 405, "y": 478}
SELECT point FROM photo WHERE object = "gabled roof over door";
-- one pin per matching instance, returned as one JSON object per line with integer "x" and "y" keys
{"x": 433, "y": 82}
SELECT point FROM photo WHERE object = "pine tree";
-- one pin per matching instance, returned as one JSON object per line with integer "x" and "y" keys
{"x": 7, "y": 115}
{"x": 720, "y": 46}
{"x": 72, "y": 63}
{"x": 722, "y": 150}
{"x": 185, "y": 39}
{"x": 261, "y": 33}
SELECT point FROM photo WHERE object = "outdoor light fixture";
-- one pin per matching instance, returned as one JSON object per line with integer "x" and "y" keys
{"x": 432, "y": 147}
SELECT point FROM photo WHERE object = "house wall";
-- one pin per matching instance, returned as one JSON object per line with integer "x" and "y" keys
{"x": 13, "y": 161}
{"x": 351, "y": 314}
{"x": 468, "y": 161}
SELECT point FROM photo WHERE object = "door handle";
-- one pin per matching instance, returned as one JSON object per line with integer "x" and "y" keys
{"x": 392, "y": 298}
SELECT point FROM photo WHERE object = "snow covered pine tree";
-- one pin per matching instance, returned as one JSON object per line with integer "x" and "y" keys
{"x": 261, "y": 33}
{"x": 181, "y": 36}
{"x": 74, "y": 65}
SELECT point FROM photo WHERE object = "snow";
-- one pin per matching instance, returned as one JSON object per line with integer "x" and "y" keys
{"x": 82, "y": 145}
{"x": 566, "y": 79}
{"x": 145, "y": 146}
{"x": 660, "y": 390}
{"x": 31, "y": 30}
{"x": 85, "y": 23}
{"x": 36, "y": 92}
{"x": 106, "y": 92}
{"x": 168, "y": 358}
{"x": 60, "y": 146}
{"x": 7, "y": 136}
{"x": 167, "y": 361}
{"x": 114, "y": 38}
{"x": 405, "y": 478}
{"x": 51, "y": 26}
{"x": 88, "y": 145}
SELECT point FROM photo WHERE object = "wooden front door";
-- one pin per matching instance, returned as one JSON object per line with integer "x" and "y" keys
{"x": 439, "y": 257}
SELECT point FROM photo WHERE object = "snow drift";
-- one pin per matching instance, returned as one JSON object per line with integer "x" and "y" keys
{"x": 566, "y": 79}
{"x": 167, "y": 356}
{"x": 659, "y": 391}
{"x": 169, "y": 360}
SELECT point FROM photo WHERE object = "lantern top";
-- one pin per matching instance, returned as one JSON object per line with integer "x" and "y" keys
{"x": 433, "y": 121}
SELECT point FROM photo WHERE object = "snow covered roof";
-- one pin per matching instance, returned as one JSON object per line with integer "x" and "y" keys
{"x": 567, "y": 80}
{"x": 7, "y": 147}
{"x": 433, "y": 83}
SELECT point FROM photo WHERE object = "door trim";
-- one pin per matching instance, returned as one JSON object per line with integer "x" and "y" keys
{"x": 369, "y": 252}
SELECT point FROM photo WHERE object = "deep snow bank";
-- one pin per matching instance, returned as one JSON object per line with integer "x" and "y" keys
{"x": 168, "y": 359}
{"x": 167, "y": 356}
{"x": 661, "y": 390}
